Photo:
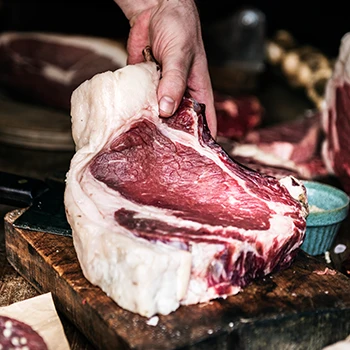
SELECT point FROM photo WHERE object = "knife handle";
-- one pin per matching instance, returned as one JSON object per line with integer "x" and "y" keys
{"x": 20, "y": 191}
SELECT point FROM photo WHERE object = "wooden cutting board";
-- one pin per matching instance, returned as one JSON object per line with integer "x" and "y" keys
{"x": 299, "y": 308}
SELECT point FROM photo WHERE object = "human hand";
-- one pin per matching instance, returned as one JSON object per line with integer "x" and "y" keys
{"x": 172, "y": 30}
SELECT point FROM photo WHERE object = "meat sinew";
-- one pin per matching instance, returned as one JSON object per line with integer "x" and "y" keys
{"x": 161, "y": 215}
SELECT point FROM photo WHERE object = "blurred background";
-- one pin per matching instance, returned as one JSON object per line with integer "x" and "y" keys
{"x": 281, "y": 53}
{"x": 311, "y": 22}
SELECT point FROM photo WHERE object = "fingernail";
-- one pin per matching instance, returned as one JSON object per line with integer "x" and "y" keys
{"x": 167, "y": 105}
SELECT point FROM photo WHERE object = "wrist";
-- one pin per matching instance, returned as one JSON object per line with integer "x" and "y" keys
{"x": 134, "y": 7}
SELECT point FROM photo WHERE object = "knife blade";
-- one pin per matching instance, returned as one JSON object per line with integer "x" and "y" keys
{"x": 44, "y": 199}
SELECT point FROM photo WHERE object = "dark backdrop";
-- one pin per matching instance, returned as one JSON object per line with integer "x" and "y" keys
{"x": 321, "y": 24}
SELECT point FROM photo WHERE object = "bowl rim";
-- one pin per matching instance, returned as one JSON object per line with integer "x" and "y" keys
{"x": 339, "y": 191}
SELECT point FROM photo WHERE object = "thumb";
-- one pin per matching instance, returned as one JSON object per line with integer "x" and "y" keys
{"x": 173, "y": 84}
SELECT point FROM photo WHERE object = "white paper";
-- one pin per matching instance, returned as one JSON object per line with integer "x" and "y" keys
{"x": 340, "y": 345}
{"x": 40, "y": 313}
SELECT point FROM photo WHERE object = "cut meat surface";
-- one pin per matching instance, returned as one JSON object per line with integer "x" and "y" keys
{"x": 251, "y": 156}
{"x": 336, "y": 117}
{"x": 236, "y": 116}
{"x": 161, "y": 215}
{"x": 295, "y": 140}
{"x": 288, "y": 148}
{"x": 46, "y": 67}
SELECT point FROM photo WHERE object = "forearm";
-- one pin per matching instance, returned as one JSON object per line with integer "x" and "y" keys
{"x": 132, "y": 7}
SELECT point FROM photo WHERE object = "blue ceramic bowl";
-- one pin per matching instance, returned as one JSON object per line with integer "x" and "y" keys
{"x": 328, "y": 206}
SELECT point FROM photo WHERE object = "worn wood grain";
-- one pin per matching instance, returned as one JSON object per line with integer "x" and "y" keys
{"x": 15, "y": 288}
{"x": 296, "y": 308}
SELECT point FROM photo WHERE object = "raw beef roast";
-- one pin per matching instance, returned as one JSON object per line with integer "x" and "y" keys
{"x": 160, "y": 214}
{"x": 236, "y": 115}
{"x": 47, "y": 67}
{"x": 296, "y": 140}
{"x": 287, "y": 148}
{"x": 336, "y": 117}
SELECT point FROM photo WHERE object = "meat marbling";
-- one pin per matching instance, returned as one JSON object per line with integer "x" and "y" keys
{"x": 161, "y": 215}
